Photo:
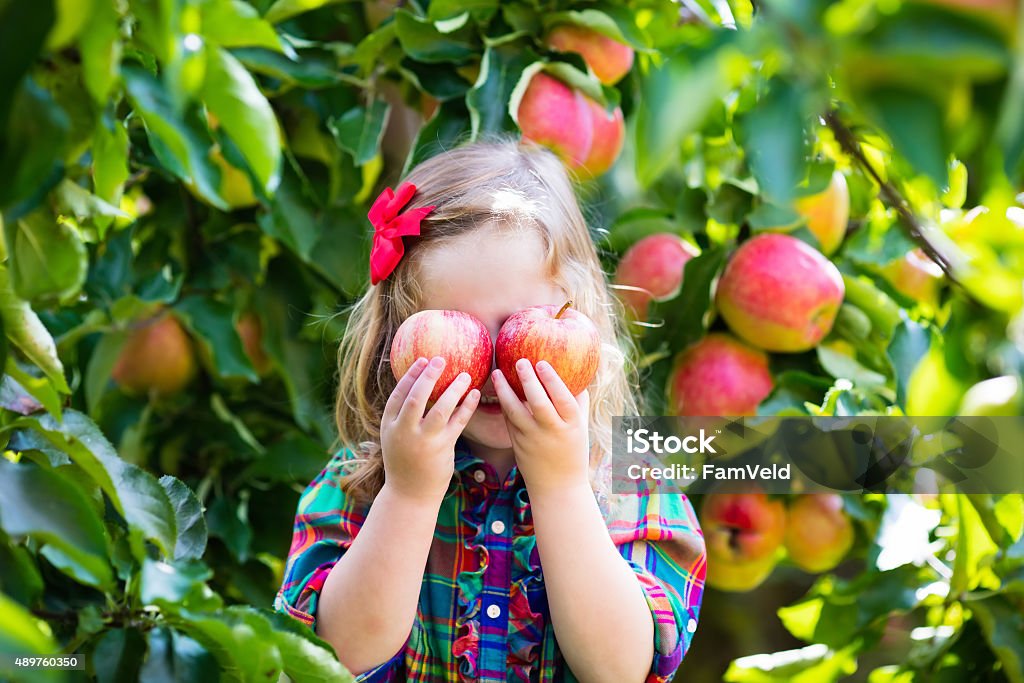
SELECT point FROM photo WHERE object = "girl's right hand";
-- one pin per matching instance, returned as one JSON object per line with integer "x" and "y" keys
{"x": 419, "y": 450}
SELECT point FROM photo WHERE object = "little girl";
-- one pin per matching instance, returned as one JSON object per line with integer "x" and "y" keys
{"x": 477, "y": 540}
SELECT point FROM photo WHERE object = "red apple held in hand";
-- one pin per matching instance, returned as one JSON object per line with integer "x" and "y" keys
{"x": 608, "y": 137}
{"x": 654, "y": 264}
{"x": 556, "y": 116}
{"x": 743, "y": 533}
{"x": 609, "y": 59}
{"x": 718, "y": 376}
{"x": 563, "y": 336}
{"x": 779, "y": 293}
{"x": 459, "y": 338}
{"x": 818, "y": 532}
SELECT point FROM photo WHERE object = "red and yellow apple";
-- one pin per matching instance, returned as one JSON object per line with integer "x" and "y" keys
{"x": 718, "y": 376}
{"x": 779, "y": 293}
{"x": 555, "y": 115}
{"x": 743, "y": 533}
{"x": 655, "y": 265}
{"x": 609, "y": 133}
{"x": 563, "y": 336}
{"x": 818, "y": 532}
{"x": 915, "y": 275}
{"x": 461, "y": 339}
{"x": 609, "y": 59}
{"x": 827, "y": 213}
{"x": 158, "y": 358}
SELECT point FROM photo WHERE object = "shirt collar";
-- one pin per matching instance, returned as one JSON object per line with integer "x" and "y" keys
{"x": 467, "y": 465}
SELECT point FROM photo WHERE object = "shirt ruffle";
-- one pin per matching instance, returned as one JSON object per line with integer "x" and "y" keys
{"x": 525, "y": 636}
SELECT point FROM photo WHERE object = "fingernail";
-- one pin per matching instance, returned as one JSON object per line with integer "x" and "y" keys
{"x": 522, "y": 364}
{"x": 464, "y": 376}
{"x": 543, "y": 365}
{"x": 437, "y": 362}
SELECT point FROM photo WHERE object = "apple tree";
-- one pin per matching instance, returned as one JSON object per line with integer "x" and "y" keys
{"x": 807, "y": 208}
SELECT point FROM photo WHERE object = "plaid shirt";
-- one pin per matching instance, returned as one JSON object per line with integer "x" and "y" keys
{"x": 483, "y": 612}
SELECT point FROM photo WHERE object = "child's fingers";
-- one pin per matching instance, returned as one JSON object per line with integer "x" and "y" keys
{"x": 439, "y": 414}
{"x": 401, "y": 390}
{"x": 538, "y": 399}
{"x": 416, "y": 403}
{"x": 465, "y": 411}
{"x": 561, "y": 397}
{"x": 514, "y": 410}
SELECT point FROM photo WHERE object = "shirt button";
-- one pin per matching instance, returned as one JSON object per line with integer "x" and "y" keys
{"x": 493, "y": 611}
{"x": 498, "y": 526}
{"x": 691, "y": 625}
{"x": 480, "y": 475}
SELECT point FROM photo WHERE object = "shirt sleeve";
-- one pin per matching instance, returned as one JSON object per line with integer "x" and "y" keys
{"x": 660, "y": 538}
{"x": 326, "y": 522}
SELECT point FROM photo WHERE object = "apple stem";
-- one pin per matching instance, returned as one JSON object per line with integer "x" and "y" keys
{"x": 562, "y": 309}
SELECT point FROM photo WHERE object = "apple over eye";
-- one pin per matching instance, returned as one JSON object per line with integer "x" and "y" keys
{"x": 564, "y": 337}
{"x": 461, "y": 339}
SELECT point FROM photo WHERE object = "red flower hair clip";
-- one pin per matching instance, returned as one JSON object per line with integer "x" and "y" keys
{"x": 390, "y": 227}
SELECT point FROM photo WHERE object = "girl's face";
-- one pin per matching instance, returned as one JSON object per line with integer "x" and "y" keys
{"x": 491, "y": 276}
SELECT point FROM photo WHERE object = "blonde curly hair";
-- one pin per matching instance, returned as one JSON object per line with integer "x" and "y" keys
{"x": 470, "y": 186}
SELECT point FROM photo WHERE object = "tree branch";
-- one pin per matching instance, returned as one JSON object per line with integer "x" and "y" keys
{"x": 890, "y": 196}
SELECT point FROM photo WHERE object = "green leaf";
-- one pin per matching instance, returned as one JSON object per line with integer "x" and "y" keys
{"x": 48, "y": 258}
{"x": 109, "y": 161}
{"x": 446, "y": 9}
{"x": 812, "y": 664}
{"x": 422, "y": 41}
{"x": 774, "y": 142}
{"x": 842, "y": 366}
{"x": 359, "y": 130}
{"x": 1003, "y": 623}
{"x": 180, "y": 583}
{"x": 23, "y": 28}
{"x": 44, "y": 505}
{"x": 135, "y": 493}
{"x": 181, "y": 145}
{"x": 118, "y": 655}
{"x": 24, "y": 329}
{"x": 241, "y": 639}
{"x": 488, "y": 99}
{"x": 236, "y": 23}
{"x": 188, "y": 515}
{"x": 675, "y": 100}
{"x": 684, "y": 315}
{"x": 307, "y": 658}
{"x": 174, "y": 657}
{"x": 294, "y": 459}
{"x": 38, "y": 388}
{"x": 312, "y": 70}
{"x": 285, "y": 9}
{"x": 229, "y": 521}
{"x": 31, "y": 150}
{"x": 211, "y": 321}
{"x": 19, "y": 575}
{"x": 22, "y": 634}
{"x": 100, "y": 47}
{"x": 441, "y": 132}
{"x": 633, "y": 225}
{"x": 910, "y": 342}
{"x": 245, "y": 114}
{"x": 914, "y": 122}
{"x": 934, "y": 39}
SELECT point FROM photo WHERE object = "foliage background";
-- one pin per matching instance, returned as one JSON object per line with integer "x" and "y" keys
{"x": 214, "y": 158}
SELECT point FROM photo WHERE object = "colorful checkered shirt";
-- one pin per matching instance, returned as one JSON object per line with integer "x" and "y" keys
{"x": 483, "y": 612}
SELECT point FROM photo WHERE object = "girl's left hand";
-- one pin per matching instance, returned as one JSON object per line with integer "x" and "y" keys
{"x": 550, "y": 436}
